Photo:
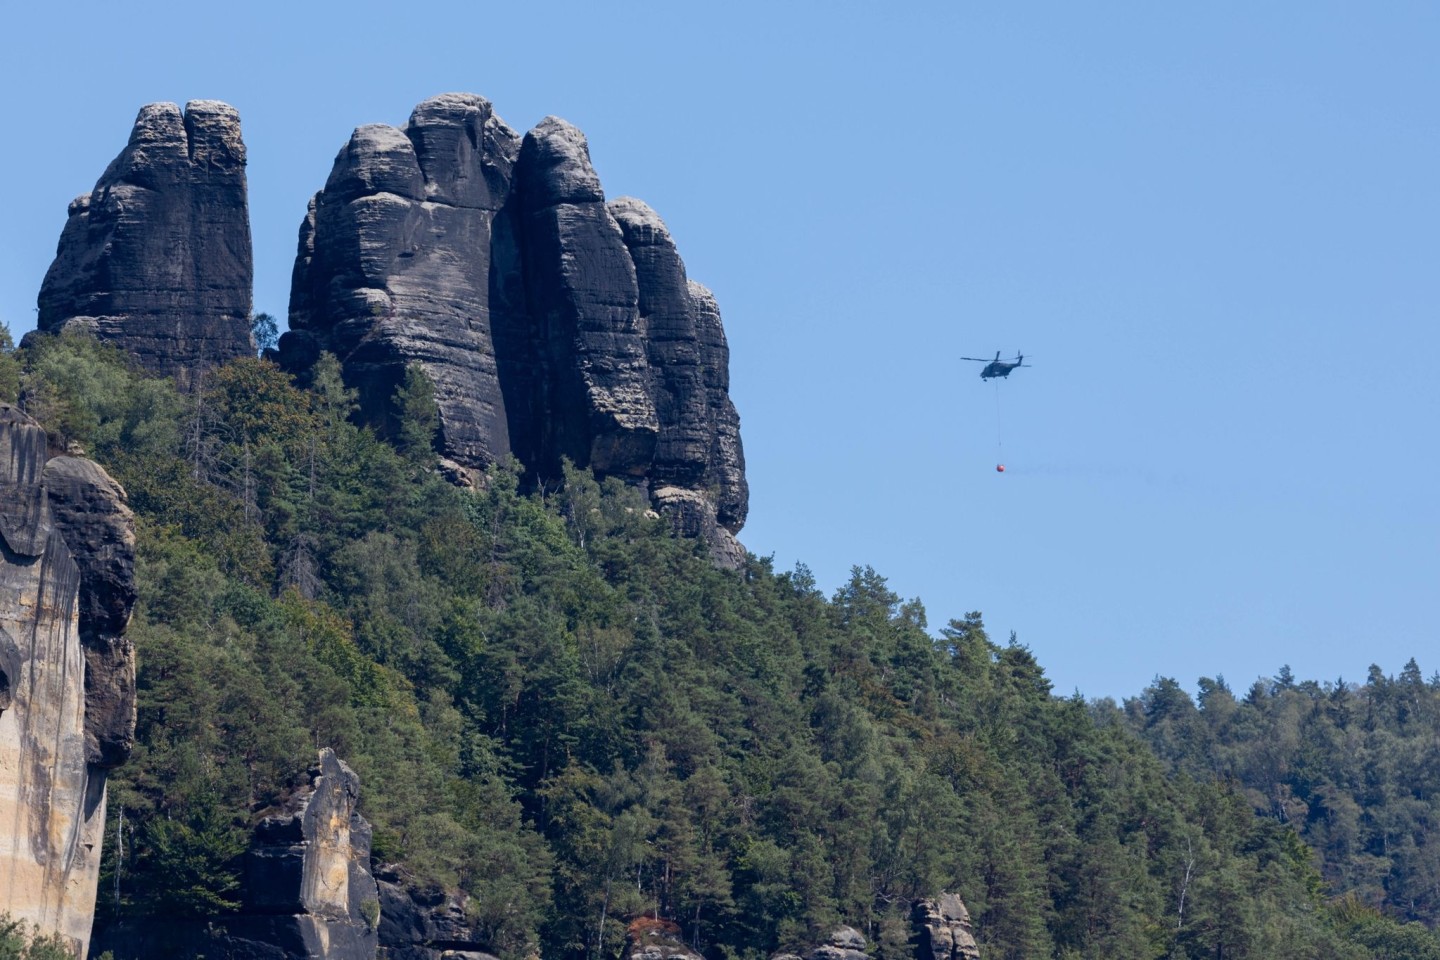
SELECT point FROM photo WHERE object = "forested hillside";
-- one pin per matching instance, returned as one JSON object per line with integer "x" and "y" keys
{"x": 573, "y": 716}
{"x": 1354, "y": 768}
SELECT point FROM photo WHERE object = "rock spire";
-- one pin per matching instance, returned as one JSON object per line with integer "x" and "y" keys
{"x": 553, "y": 325}
{"x": 156, "y": 258}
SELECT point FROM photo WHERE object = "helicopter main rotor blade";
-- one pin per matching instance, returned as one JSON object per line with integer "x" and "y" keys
{"x": 978, "y": 359}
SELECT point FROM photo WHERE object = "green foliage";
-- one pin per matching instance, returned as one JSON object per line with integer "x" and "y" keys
{"x": 191, "y": 862}
{"x": 84, "y": 391}
{"x": 264, "y": 332}
{"x": 418, "y": 415}
{"x": 9, "y": 367}
{"x": 575, "y": 719}
{"x": 1348, "y": 768}
{"x": 17, "y": 942}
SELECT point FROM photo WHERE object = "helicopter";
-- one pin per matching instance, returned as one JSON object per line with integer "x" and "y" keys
{"x": 998, "y": 367}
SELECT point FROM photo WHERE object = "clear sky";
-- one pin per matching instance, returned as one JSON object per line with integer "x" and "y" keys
{"x": 1215, "y": 228}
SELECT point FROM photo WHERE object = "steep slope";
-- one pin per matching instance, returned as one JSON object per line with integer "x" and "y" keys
{"x": 567, "y": 720}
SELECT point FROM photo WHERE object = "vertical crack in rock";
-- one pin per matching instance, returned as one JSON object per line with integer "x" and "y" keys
{"x": 552, "y": 324}
{"x": 156, "y": 258}
{"x": 401, "y": 260}
{"x": 581, "y": 287}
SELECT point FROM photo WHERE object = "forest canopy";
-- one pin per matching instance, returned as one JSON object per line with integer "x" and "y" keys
{"x": 570, "y": 715}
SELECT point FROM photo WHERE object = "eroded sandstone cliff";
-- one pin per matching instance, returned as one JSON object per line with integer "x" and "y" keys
{"x": 67, "y": 674}
{"x": 553, "y": 325}
{"x": 156, "y": 258}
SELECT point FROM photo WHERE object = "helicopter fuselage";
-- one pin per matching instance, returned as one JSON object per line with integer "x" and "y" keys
{"x": 997, "y": 367}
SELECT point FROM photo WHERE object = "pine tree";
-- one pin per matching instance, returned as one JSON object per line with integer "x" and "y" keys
{"x": 417, "y": 414}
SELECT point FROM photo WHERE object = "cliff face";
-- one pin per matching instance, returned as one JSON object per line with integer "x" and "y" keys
{"x": 553, "y": 325}
{"x": 156, "y": 259}
{"x": 401, "y": 258}
{"x": 67, "y": 675}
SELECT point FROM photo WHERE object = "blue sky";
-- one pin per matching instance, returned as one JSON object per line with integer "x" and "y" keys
{"x": 1215, "y": 228}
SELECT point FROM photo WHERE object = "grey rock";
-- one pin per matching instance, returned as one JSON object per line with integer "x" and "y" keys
{"x": 581, "y": 289}
{"x": 677, "y": 383}
{"x": 401, "y": 259}
{"x": 552, "y": 325}
{"x": 99, "y": 529}
{"x": 24, "y": 513}
{"x": 692, "y": 514}
{"x": 725, "y": 472}
{"x": 156, "y": 258}
{"x": 844, "y": 943}
{"x": 698, "y": 449}
{"x": 943, "y": 930}
{"x": 423, "y": 924}
{"x": 315, "y": 857}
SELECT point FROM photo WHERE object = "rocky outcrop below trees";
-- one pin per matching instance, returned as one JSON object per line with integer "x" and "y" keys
{"x": 649, "y": 939}
{"x": 939, "y": 930}
{"x": 156, "y": 258}
{"x": 943, "y": 930}
{"x": 417, "y": 924}
{"x": 308, "y": 891}
{"x": 552, "y": 324}
{"x": 67, "y": 674}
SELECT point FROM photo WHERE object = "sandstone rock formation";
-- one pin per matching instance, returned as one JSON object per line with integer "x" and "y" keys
{"x": 424, "y": 925}
{"x": 552, "y": 324}
{"x": 844, "y": 943}
{"x": 647, "y": 939}
{"x": 943, "y": 930}
{"x": 156, "y": 259}
{"x": 583, "y": 298}
{"x": 67, "y": 675}
{"x": 308, "y": 892}
{"x": 405, "y": 256}
{"x": 940, "y": 928}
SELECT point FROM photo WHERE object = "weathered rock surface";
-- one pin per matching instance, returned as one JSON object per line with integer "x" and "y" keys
{"x": 940, "y": 928}
{"x": 424, "y": 925}
{"x": 406, "y": 256}
{"x": 584, "y": 302}
{"x": 943, "y": 930}
{"x": 844, "y": 943}
{"x": 308, "y": 891}
{"x": 67, "y": 675}
{"x": 156, "y": 258}
{"x": 698, "y": 447}
{"x": 647, "y": 939}
{"x": 552, "y": 324}
{"x": 99, "y": 529}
